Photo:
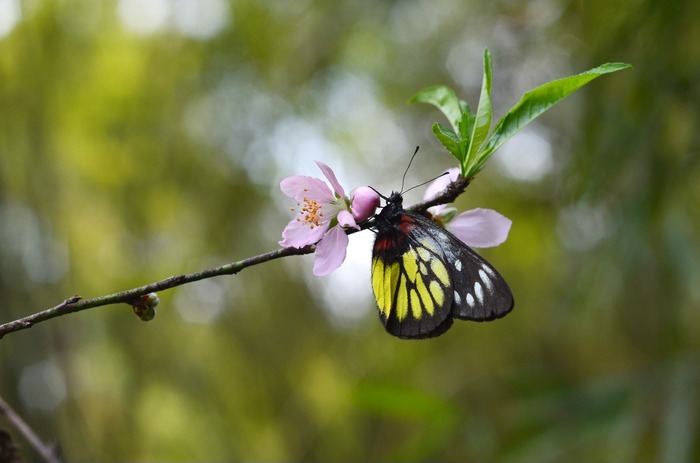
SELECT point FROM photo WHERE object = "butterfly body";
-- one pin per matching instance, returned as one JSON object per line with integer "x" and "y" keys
{"x": 423, "y": 276}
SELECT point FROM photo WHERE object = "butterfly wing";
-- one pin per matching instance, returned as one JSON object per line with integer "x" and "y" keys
{"x": 411, "y": 282}
{"x": 479, "y": 292}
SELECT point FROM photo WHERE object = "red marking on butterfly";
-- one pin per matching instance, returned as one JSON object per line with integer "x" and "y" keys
{"x": 407, "y": 224}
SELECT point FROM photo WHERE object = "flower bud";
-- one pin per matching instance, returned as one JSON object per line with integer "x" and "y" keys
{"x": 145, "y": 306}
{"x": 364, "y": 202}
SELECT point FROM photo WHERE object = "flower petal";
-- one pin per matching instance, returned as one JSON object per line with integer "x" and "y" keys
{"x": 330, "y": 175}
{"x": 480, "y": 228}
{"x": 301, "y": 186}
{"x": 346, "y": 220}
{"x": 297, "y": 234}
{"x": 439, "y": 184}
{"x": 330, "y": 251}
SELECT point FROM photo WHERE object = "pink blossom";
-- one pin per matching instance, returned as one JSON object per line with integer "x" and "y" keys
{"x": 322, "y": 217}
{"x": 480, "y": 228}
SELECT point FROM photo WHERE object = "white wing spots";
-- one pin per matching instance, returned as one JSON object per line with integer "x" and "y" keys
{"x": 485, "y": 278}
{"x": 488, "y": 270}
{"x": 457, "y": 298}
{"x": 458, "y": 265}
{"x": 479, "y": 292}
{"x": 470, "y": 299}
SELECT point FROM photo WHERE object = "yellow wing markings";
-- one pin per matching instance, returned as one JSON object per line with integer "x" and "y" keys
{"x": 437, "y": 292}
{"x": 423, "y": 251}
{"x": 384, "y": 282}
{"x": 413, "y": 286}
{"x": 410, "y": 265}
{"x": 415, "y": 300}
{"x": 430, "y": 245}
{"x": 402, "y": 299}
{"x": 440, "y": 271}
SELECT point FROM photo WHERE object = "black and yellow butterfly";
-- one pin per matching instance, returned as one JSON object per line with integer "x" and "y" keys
{"x": 423, "y": 276}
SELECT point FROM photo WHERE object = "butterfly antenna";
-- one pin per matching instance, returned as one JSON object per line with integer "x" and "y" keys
{"x": 427, "y": 181}
{"x": 380, "y": 195}
{"x": 403, "y": 180}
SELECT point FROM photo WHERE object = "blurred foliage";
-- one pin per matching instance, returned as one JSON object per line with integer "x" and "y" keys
{"x": 144, "y": 139}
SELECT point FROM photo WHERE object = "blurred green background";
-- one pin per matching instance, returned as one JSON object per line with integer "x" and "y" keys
{"x": 145, "y": 138}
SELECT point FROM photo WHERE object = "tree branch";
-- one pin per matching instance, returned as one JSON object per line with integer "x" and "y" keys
{"x": 48, "y": 452}
{"x": 132, "y": 296}
{"x": 448, "y": 195}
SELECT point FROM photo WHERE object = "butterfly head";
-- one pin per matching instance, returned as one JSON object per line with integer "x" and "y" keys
{"x": 391, "y": 211}
{"x": 395, "y": 199}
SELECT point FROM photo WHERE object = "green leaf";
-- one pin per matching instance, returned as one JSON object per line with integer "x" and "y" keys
{"x": 537, "y": 101}
{"x": 449, "y": 140}
{"x": 445, "y": 99}
{"x": 484, "y": 113}
{"x": 466, "y": 124}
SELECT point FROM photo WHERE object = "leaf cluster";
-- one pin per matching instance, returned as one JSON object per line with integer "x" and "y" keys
{"x": 468, "y": 138}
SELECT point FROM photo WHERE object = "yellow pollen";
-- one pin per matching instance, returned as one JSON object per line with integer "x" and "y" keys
{"x": 309, "y": 213}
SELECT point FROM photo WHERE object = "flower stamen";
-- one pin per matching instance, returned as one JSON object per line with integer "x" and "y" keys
{"x": 310, "y": 213}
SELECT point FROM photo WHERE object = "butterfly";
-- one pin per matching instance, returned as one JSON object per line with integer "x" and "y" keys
{"x": 423, "y": 277}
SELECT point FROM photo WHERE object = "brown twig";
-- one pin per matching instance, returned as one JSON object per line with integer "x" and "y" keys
{"x": 47, "y": 451}
{"x": 131, "y": 296}
{"x": 76, "y": 303}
